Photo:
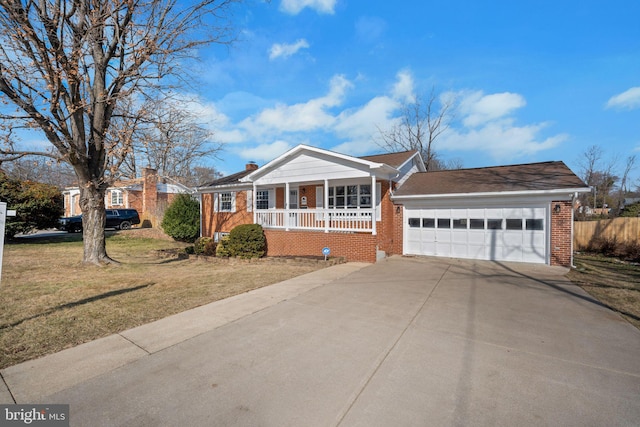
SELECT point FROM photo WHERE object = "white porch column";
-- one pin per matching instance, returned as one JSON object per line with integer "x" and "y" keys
{"x": 326, "y": 205}
{"x": 254, "y": 203}
{"x": 286, "y": 205}
{"x": 374, "y": 197}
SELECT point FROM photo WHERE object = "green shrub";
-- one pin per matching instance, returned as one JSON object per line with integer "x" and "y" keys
{"x": 182, "y": 219}
{"x": 247, "y": 241}
{"x": 37, "y": 205}
{"x": 222, "y": 250}
{"x": 632, "y": 210}
{"x": 199, "y": 244}
{"x": 204, "y": 246}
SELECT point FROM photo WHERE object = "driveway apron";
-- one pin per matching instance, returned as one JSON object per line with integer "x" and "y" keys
{"x": 404, "y": 342}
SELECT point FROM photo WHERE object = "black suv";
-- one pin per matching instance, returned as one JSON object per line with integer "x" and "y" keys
{"x": 121, "y": 219}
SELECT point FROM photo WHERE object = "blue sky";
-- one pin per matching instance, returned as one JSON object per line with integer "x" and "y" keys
{"x": 535, "y": 81}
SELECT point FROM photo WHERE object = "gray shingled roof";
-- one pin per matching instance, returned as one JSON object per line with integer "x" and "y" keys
{"x": 229, "y": 179}
{"x": 526, "y": 177}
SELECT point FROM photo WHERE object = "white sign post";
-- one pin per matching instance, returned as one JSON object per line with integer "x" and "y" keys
{"x": 3, "y": 218}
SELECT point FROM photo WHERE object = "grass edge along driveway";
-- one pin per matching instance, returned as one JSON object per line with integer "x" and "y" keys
{"x": 52, "y": 302}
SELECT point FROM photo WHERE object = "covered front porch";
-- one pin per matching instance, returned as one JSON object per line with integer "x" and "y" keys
{"x": 345, "y": 205}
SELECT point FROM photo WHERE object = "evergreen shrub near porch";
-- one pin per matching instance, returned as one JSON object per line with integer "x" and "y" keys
{"x": 182, "y": 218}
{"x": 244, "y": 241}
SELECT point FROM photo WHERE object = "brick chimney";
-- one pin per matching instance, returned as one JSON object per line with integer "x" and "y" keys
{"x": 251, "y": 166}
{"x": 149, "y": 191}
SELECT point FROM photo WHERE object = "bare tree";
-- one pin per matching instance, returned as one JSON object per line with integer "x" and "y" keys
{"x": 422, "y": 122}
{"x": 170, "y": 139}
{"x": 66, "y": 66}
{"x": 590, "y": 162}
{"x": 624, "y": 181}
{"x": 41, "y": 169}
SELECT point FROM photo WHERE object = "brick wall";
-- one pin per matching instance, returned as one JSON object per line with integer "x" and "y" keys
{"x": 352, "y": 246}
{"x": 398, "y": 232}
{"x": 561, "y": 234}
{"x": 214, "y": 222}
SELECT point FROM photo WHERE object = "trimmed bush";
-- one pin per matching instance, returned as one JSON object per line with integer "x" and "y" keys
{"x": 182, "y": 219}
{"x": 247, "y": 241}
{"x": 244, "y": 241}
{"x": 204, "y": 246}
{"x": 222, "y": 250}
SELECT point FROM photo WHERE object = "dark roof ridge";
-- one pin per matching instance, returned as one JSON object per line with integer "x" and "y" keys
{"x": 386, "y": 154}
{"x": 495, "y": 167}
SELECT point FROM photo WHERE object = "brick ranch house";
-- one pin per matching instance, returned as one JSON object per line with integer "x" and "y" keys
{"x": 149, "y": 195}
{"x": 364, "y": 208}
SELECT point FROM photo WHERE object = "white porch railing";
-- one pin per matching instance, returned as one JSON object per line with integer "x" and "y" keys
{"x": 317, "y": 219}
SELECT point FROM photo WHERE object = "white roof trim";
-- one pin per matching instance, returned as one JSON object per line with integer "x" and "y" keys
{"x": 420, "y": 162}
{"x": 302, "y": 147}
{"x": 492, "y": 194}
{"x": 224, "y": 187}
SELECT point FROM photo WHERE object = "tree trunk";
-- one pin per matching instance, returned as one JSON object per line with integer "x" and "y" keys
{"x": 93, "y": 222}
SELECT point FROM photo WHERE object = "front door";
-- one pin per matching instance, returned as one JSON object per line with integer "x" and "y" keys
{"x": 293, "y": 204}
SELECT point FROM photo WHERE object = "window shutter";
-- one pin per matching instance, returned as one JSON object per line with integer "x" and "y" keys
{"x": 378, "y": 201}
{"x": 272, "y": 198}
{"x": 249, "y": 200}
{"x": 233, "y": 201}
{"x": 215, "y": 202}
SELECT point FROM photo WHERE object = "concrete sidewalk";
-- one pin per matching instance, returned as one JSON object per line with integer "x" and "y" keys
{"x": 28, "y": 382}
{"x": 403, "y": 342}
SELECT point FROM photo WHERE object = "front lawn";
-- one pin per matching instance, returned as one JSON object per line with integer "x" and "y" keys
{"x": 613, "y": 282}
{"x": 51, "y": 302}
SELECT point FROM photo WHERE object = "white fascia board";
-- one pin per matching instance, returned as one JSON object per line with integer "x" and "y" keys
{"x": 223, "y": 188}
{"x": 420, "y": 162}
{"x": 386, "y": 170}
{"x": 566, "y": 192}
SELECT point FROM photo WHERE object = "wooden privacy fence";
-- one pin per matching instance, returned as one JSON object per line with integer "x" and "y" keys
{"x": 624, "y": 230}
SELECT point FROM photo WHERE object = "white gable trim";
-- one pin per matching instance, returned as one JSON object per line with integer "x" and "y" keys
{"x": 381, "y": 170}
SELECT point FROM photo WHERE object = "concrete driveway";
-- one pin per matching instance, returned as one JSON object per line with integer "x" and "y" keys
{"x": 404, "y": 342}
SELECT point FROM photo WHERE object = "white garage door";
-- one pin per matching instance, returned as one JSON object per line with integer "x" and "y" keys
{"x": 500, "y": 234}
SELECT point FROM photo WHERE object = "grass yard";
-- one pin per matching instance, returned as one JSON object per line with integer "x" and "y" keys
{"x": 51, "y": 302}
{"x": 614, "y": 283}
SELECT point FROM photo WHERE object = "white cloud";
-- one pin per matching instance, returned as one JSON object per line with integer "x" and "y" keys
{"x": 403, "y": 89}
{"x": 307, "y": 116}
{"x": 294, "y": 7}
{"x": 266, "y": 152}
{"x": 361, "y": 124}
{"x": 479, "y": 109}
{"x": 501, "y": 139}
{"x": 286, "y": 50}
{"x": 627, "y": 100}
{"x": 488, "y": 126}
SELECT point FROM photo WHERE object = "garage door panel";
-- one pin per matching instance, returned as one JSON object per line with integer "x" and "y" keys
{"x": 428, "y": 242}
{"x": 494, "y": 233}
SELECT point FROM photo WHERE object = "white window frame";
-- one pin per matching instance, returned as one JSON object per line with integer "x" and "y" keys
{"x": 221, "y": 205}
{"x": 261, "y": 199}
{"x": 333, "y": 195}
{"x": 117, "y": 198}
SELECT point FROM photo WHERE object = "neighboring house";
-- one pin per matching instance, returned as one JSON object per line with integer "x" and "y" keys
{"x": 149, "y": 195}
{"x": 368, "y": 207}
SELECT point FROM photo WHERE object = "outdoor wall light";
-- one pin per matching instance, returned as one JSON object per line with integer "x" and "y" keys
{"x": 557, "y": 208}
{"x": 397, "y": 209}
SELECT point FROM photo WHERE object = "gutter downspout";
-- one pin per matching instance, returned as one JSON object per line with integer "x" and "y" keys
{"x": 573, "y": 198}
{"x": 200, "y": 203}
